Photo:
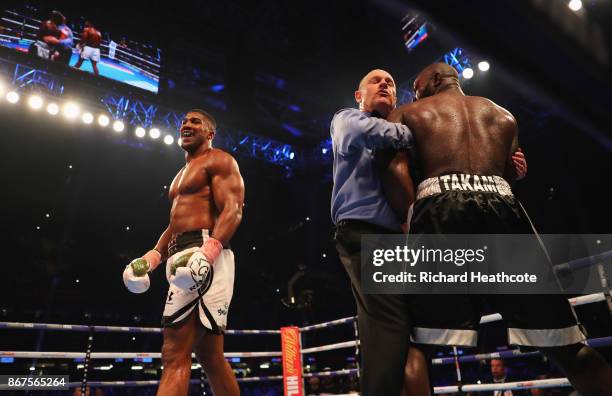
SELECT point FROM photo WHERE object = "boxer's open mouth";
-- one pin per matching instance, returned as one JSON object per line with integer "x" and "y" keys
{"x": 185, "y": 134}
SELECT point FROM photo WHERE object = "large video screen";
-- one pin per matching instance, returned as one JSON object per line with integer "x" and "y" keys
{"x": 83, "y": 45}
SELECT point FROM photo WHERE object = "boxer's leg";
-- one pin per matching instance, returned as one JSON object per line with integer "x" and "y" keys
{"x": 176, "y": 357}
{"x": 209, "y": 352}
{"x": 586, "y": 369}
{"x": 418, "y": 371}
{"x": 94, "y": 64}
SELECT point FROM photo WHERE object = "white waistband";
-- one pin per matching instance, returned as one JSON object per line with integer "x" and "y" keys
{"x": 463, "y": 182}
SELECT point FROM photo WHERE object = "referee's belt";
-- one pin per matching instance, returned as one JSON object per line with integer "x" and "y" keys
{"x": 463, "y": 182}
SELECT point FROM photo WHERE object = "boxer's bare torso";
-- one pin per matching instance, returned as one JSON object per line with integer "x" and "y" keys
{"x": 458, "y": 133}
{"x": 193, "y": 205}
{"x": 91, "y": 37}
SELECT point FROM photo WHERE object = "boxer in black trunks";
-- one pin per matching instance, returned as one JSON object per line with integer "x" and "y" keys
{"x": 464, "y": 148}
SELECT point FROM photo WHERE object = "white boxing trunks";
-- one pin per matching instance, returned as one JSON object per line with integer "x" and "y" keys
{"x": 212, "y": 299}
{"x": 90, "y": 53}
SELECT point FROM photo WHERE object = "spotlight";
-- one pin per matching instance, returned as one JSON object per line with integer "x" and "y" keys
{"x": 71, "y": 110}
{"x": 324, "y": 150}
{"x": 35, "y": 102}
{"x": 291, "y": 155}
{"x": 168, "y": 139}
{"x": 575, "y": 5}
{"x": 154, "y": 133}
{"x": 483, "y": 66}
{"x": 467, "y": 73}
{"x": 87, "y": 118}
{"x": 12, "y": 97}
{"x": 140, "y": 132}
{"x": 103, "y": 120}
{"x": 52, "y": 108}
{"x": 118, "y": 126}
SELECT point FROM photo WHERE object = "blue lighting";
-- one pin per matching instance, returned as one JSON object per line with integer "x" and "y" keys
{"x": 292, "y": 130}
{"x": 217, "y": 88}
{"x": 291, "y": 155}
{"x": 276, "y": 360}
{"x": 147, "y": 360}
{"x": 118, "y": 360}
{"x": 324, "y": 150}
{"x": 7, "y": 360}
{"x": 458, "y": 59}
{"x": 235, "y": 360}
{"x": 79, "y": 360}
{"x": 295, "y": 108}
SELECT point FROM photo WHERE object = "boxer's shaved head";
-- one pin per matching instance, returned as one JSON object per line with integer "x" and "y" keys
{"x": 435, "y": 78}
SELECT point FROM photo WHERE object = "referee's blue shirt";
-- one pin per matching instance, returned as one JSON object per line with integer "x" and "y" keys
{"x": 357, "y": 192}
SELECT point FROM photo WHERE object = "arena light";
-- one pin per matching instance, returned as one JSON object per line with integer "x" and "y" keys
{"x": 35, "y": 102}
{"x": 71, "y": 110}
{"x": 103, "y": 120}
{"x": 118, "y": 126}
{"x": 52, "y": 108}
{"x": 137, "y": 367}
{"x": 467, "y": 73}
{"x": 575, "y": 5}
{"x": 12, "y": 97}
{"x": 168, "y": 139}
{"x": 140, "y": 132}
{"x": 154, "y": 133}
{"x": 483, "y": 66}
{"x": 87, "y": 118}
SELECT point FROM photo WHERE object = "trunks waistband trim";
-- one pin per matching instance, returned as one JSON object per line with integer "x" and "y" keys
{"x": 463, "y": 182}
{"x": 186, "y": 240}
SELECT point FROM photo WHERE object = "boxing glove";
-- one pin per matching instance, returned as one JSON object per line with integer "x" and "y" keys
{"x": 135, "y": 275}
{"x": 191, "y": 271}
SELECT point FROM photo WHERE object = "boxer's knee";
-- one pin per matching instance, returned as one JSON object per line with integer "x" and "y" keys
{"x": 211, "y": 361}
{"x": 209, "y": 352}
{"x": 175, "y": 356}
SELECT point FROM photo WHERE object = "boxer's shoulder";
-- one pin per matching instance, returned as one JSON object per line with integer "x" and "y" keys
{"x": 219, "y": 160}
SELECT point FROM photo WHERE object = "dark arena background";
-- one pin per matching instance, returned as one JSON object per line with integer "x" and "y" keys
{"x": 86, "y": 162}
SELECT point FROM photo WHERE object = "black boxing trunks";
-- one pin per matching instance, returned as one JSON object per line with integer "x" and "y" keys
{"x": 474, "y": 204}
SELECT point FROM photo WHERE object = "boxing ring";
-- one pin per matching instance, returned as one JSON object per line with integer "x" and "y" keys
{"x": 89, "y": 355}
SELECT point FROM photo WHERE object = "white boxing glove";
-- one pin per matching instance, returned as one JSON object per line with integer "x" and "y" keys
{"x": 193, "y": 271}
{"x": 192, "y": 275}
{"x": 135, "y": 284}
{"x": 135, "y": 276}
